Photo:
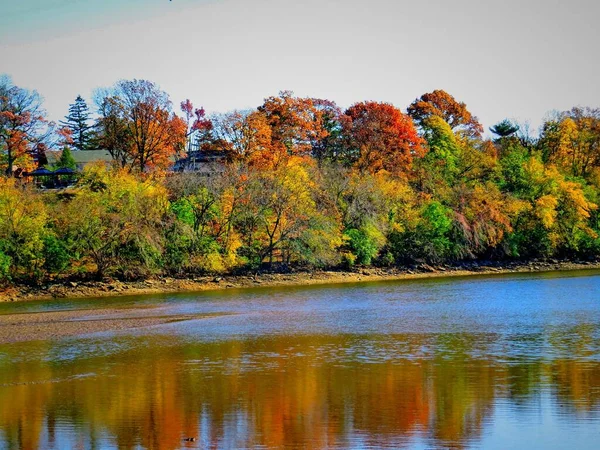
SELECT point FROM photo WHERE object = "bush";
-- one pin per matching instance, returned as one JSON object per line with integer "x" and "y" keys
{"x": 56, "y": 255}
{"x": 363, "y": 246}
{"x": 5, "y": 263}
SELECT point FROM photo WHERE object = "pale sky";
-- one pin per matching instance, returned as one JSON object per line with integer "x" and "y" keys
{"x": 516, "y": 58}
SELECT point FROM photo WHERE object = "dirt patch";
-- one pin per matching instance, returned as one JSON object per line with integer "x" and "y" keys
{"x": 59, "y": 324}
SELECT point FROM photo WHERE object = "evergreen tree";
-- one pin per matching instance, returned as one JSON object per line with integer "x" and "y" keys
{"x": 504, "y": 129}
{"x": 78, "y": 122}
{"x": 66, "y": 160}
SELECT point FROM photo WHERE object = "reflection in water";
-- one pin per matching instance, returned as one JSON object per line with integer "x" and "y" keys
{"x": 505, "y": 362}
{"x": 312, "y": 391}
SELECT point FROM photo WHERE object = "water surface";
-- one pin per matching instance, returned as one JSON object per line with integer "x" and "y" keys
{"x": 481, "y": 362}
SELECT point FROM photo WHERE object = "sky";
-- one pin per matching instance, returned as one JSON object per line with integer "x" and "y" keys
{"x": 517, "y": 58}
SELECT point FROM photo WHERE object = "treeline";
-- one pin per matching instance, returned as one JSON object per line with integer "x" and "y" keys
{"x": 305, "y": 184}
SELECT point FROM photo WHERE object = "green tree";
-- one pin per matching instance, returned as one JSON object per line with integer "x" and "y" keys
{"x": 66, "y": 160}
{"x": 504, "y": 129}
{"x": 78, "y": 122}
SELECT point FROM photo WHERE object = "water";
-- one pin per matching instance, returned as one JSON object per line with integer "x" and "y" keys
{"x": 482, "y": 362}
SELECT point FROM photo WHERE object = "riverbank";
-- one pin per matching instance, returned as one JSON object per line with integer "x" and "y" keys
{"x": 109, "y": 288}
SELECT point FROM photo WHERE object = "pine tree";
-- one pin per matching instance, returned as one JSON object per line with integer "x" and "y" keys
{"x": 78, "y": 121}
{"x": 505, "y": 128}
{"x": 66, "y": 160}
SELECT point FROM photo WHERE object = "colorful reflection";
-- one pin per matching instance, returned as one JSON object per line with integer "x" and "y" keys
{"x": 300, "y": 391}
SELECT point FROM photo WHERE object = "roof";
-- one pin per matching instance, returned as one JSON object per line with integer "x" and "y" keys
{"x": 81, "y": 156}
{"x": 40, "y": 172}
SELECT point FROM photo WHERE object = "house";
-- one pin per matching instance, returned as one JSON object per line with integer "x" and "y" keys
{"x": 82, "y": 157}
{"x": 202, "y": 162}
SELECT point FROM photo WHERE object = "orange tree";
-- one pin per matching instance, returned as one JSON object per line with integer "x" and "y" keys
{"x": 380, "y": 137}
{"x": 440, "y": 103}
{"x": 137, "y": 124}
{"x": 23, "y": 127}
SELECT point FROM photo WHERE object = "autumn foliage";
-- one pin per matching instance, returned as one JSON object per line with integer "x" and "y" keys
{"x": 382, "y": 138}
{"x": 139, "y": 128}
{"x": 300, "y": 182}
{"x": 441, "y": 104}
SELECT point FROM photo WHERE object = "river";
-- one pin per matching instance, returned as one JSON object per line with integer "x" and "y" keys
{"x": 509, "y": 361}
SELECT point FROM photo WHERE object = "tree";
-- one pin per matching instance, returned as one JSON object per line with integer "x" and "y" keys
{"x": 66, "y": 160}
{"x": 138, "y": 127}
{"x": 78, "y": 122}
{"x": 23, "y": 126}
{"x": 504, "y": 129}
{"x": 115, "y": 221}
{"x": 437, "y": 171}
{"x": 572, "y": 141}
{"x": 330, "y": 145}
{"x": 380, "y": 137}
{"x": 440, "y": 103}
{"x": 197, "y": 124}
{"x": 23, "y": 216}
{"x": 296, "y": 123}
{"x": 279, "y": 216}
{"x": 242, "y": 133}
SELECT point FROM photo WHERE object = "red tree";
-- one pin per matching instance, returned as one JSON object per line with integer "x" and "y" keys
{"x": 380, "y": 137}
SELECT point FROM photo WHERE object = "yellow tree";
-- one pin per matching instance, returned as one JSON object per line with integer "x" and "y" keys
{"x": 573, "y": 141}
{"x": 280, "y": 216}
{"x": 23, "y": 217}
{"x": 116, "y": 219}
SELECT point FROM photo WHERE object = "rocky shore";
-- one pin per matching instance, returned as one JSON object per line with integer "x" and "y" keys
{"x": 109, "y": 287}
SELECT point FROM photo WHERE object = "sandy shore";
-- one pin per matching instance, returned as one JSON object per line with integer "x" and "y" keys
{"x": 171, "y": 285}
{"x": 22, "y": 327}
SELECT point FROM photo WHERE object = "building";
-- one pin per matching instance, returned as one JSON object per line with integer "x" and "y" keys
{"x": 82, "y": 157}
{"x": 202, "y": 162}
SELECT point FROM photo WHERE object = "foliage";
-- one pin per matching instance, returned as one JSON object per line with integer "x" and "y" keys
{"x": 66, "y": 160}
{"x": 77, "y": 122}
{"x": 138, "y": 127}
{"x": 23, "y": 127}
{"x": 381, "y": 138}
{"x": 304, "y": 185}
{"x": 117, "y": 225}
{"x": 455, "y": 114}
{"x": 504, "y": 129}
{"x": 23, "y": 217}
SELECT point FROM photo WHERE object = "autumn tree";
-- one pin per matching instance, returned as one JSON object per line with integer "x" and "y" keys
{"x": 23, "y": 216}
{"x": 572, "y": 140}
{"x": 280, "y": 218}
{"x": 380, "y": 137}
{"x": 242, "y": 133}
{"x": 330, "y": 145}
{"x": 440, "y": 103}
{"x": 138, "y": 127}
{"x": 23, "y": 126}
{"x": 296, "y": 123}
{"x": 115, "y": 221}
{"x": 198, "y": 126}
{"x": 78, "y": 121}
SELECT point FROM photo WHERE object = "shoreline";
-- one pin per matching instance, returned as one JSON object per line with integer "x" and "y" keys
{"x": 166, "y": 285}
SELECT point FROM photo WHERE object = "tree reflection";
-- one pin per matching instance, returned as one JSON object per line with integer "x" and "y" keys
{"x": 317, "y": 391}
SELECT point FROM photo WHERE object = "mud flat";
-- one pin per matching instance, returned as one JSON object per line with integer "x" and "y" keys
{"x": 111, "y": 288}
